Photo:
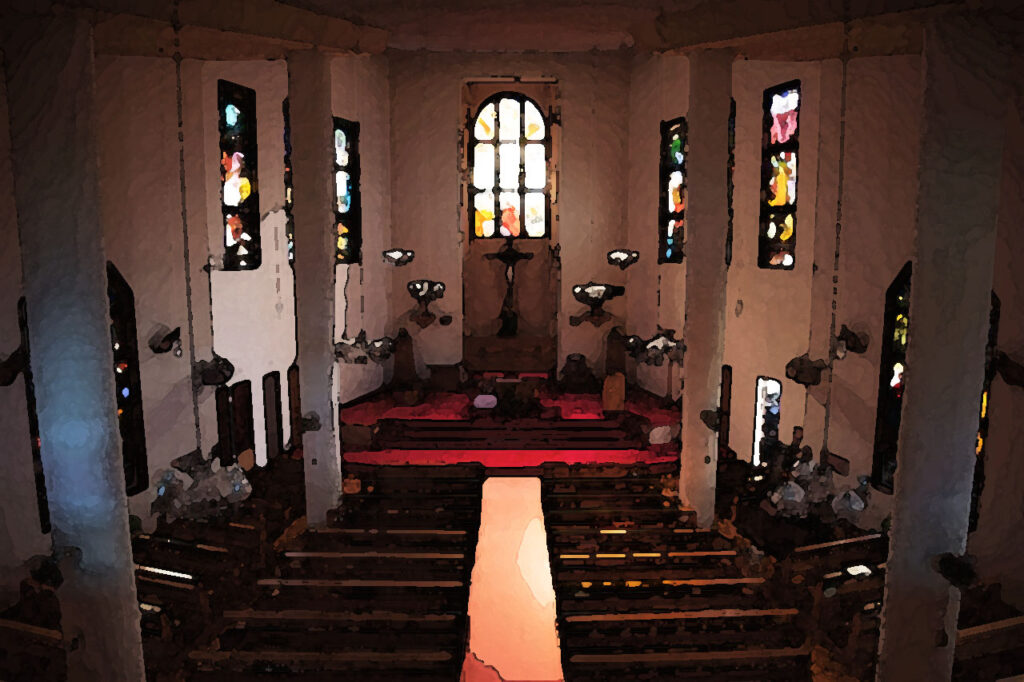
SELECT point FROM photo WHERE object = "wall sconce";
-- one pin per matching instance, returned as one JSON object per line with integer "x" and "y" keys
{"x": 424, "y": 292}
{"x": 399, "y": 257}
{"x": 215, "y": 372}
{"x": 358, "y": 351}
{"x": 654, "y": 351}
{"x": 850, "y": 341}
{"x": 623, "y": 258}
{"x": 163, "y": 340}
{"x": 594, "y": 295}
{"x": 805, "y": 371}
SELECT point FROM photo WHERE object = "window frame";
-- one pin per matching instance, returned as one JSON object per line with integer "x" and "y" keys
{"x": 353, "y": 217}
{"x": 548, "y": 141}
{"x": 767, "y": 246}
{"x": 666, "y": 167}
{"x": 244, "y": 99}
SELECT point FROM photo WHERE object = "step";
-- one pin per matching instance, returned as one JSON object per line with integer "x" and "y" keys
{"x": 386, "y": 539}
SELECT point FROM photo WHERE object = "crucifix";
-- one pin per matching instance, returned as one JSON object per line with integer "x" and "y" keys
{"x": 510, "y": 256}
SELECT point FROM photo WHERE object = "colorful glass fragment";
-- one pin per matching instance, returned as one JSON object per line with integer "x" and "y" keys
{"x": 344, "y": 195}
{"x": 785, "y": 107}
{"x": 534, "y": 122}
{"x": 483, "y": 205}
{"x": 484, "y": 127}
{"x": 676, "y": 203}
{"x": 510, "y": 225}
{"x": 534, "y": 204}
{"x": 231, "y": 113}
{"x": 782, "y": 186}
{"x": 340, "y": 147}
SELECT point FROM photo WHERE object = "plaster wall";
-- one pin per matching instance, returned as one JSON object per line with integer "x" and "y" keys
{"x": 426, "y": 123}
{"x": 20, "y": 537}
{"x": 659, "y": 91}
{"x": 253, "y": 311}
{"x": 140, "y": 204}
{"x": 363, "y": 294}
{"x": 768, "y": 311}
{"x": 879, "y": 198}
{"x": 1002, "y": 506}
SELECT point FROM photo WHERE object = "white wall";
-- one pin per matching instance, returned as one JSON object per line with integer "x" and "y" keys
{"x": 253, "y": 311}
{"x": 659, "y": 91}
{"x": 879, "y": 199}
{"x": 427, "y": 121}
{"x": 768, "y": 311}
{"x": 20, "y": 537}
{"x": 140, "y": 204}
{"x": 363, "y": 296}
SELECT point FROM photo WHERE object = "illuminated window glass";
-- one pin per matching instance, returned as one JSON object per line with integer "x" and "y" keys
{"x": 891, "y": 379}
{"x": 240, "y": 206}
{"x": 509, "y": 152}
{"x": 780, "y": 146}
{"x": 672, "y": 203}
{"x": 767, "y": 413}
{"x": 289, "y": 229}
{"x": 127, "y": 382}
{"x": 984, "y": 410}
{"x": 348, "y": 217}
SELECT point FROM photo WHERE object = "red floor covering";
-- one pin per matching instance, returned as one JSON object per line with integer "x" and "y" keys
{"x": 506, "y": 458}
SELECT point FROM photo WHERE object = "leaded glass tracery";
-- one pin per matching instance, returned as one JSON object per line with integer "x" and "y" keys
{"x": 240, "y": 207}
{"x": 780, "y": 145}
{"x": 672, "y": 211}
{"x": 348, "y": 217}
{"x": 509, "y": 155}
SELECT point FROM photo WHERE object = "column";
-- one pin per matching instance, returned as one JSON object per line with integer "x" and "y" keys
{"x": 961, "y": 155}
{"x": 50, "y": 80}
{"x": 309, "y": 99}
{"x": 704, "y": 326}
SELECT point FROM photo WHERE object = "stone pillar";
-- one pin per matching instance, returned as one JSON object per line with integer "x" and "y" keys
{"x": 961, "y": 154}
{"x": 704, "y": 326}
{"x": 309, "y": 99}
{"x": 50, "y": 80}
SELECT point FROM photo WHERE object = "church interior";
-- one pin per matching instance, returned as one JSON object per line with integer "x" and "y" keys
{"x": 567, "y": 370}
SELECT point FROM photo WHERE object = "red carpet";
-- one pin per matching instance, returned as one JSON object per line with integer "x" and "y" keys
{"x": 506, "y": 458}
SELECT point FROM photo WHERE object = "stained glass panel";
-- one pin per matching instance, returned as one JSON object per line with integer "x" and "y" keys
{"x": 782, "y": 186}
{"x": 508, "y": 159}
{"x": 347, "y": 209}
{"x": 785, "y": 107}
{"x": 483, "y": 166}
{"x": 238, "y": 172}
{"x": 510, "y": 214}
{"x": 535, "y": 221}
{"x": 535, "y": 166}
{"x": 516, "y": 172}
{"x": 777, "y": 239}
{"x": 508, "y": 120}
{"x": 484, "y": 127}
{"x": 534, "y": 122}
{"x": 675, "y": 192}
{"x": 483, "y": 205}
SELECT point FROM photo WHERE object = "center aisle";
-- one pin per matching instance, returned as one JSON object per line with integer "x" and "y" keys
{"x": 512, "y": 632}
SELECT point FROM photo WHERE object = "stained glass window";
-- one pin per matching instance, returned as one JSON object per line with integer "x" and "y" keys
{"x": 42, "y": 506}
{"x": 289, "y": 228}
{"x": 348, "y": 218}
{"x": 780, "y": 146}
{"x": 671, "y": 215}
{"x": 510, "y": 148}
{"x": 983, "y": 412}
{"x": 767, "y": 415}
{"x": 891, "y": 379}
{"x": 240, "y": 206}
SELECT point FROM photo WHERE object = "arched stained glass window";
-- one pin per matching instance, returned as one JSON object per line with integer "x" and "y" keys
{"x": 781, "y": 143}
{"x": 509, "y": 152}
{"x": 673, "y": 190}
{"x": 890, "y": 379}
